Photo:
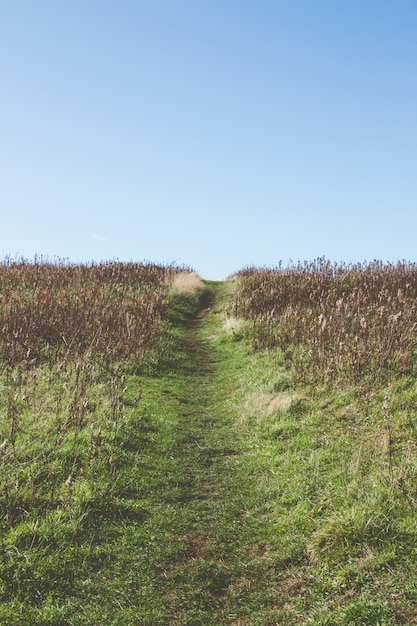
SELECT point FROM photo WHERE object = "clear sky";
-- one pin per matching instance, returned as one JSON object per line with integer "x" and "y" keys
{"x": 213, "y": 133}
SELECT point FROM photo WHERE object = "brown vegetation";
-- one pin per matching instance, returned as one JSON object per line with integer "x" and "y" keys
{"x": 335, "y": 321}
{"x": 186, "y": 283}
{"x": 51, "y": 312}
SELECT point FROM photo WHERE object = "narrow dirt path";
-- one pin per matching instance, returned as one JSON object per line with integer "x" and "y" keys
{"x": 210, "y": 569}
{"x": 199, "y": 584}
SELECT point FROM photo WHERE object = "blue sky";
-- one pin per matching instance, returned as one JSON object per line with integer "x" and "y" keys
{"x": 212, "y": 133}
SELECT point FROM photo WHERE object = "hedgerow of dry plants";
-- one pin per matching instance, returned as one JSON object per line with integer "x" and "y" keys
{"x": 109, "y": 311}
{"x": 332, "y": 321}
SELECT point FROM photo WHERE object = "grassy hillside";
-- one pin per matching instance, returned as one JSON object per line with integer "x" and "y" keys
{"x": 333, "y": 404}
{"x": 188, "y": 453}
{"x": 80, "y": 351}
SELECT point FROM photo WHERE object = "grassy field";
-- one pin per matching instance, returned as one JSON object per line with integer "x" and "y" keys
{"x": 188, "y": 453}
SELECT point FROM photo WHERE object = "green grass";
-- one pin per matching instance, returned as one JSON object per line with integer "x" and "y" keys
{"x": 207, "y": 489}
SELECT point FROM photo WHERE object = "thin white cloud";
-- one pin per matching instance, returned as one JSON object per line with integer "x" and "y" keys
{"x": 98, "y": 237}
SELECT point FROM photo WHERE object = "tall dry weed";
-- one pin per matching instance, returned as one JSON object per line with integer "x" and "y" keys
{"x": 186, "y": 283}
{"x": 336, "y": 321}
{"x": 58, "y": 311}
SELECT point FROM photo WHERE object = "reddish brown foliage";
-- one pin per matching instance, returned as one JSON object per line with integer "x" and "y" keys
{"x": 346, "y": 321}
{"x": 59, "y": 311}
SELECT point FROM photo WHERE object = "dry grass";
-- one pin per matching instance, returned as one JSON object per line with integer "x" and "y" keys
{"x": 186, "y": 283}
{"x": 232, "y": 324}
{"x": 339, "y": 321}
{"x": 55, "y": 312}
{"x": 268, "y": 404}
